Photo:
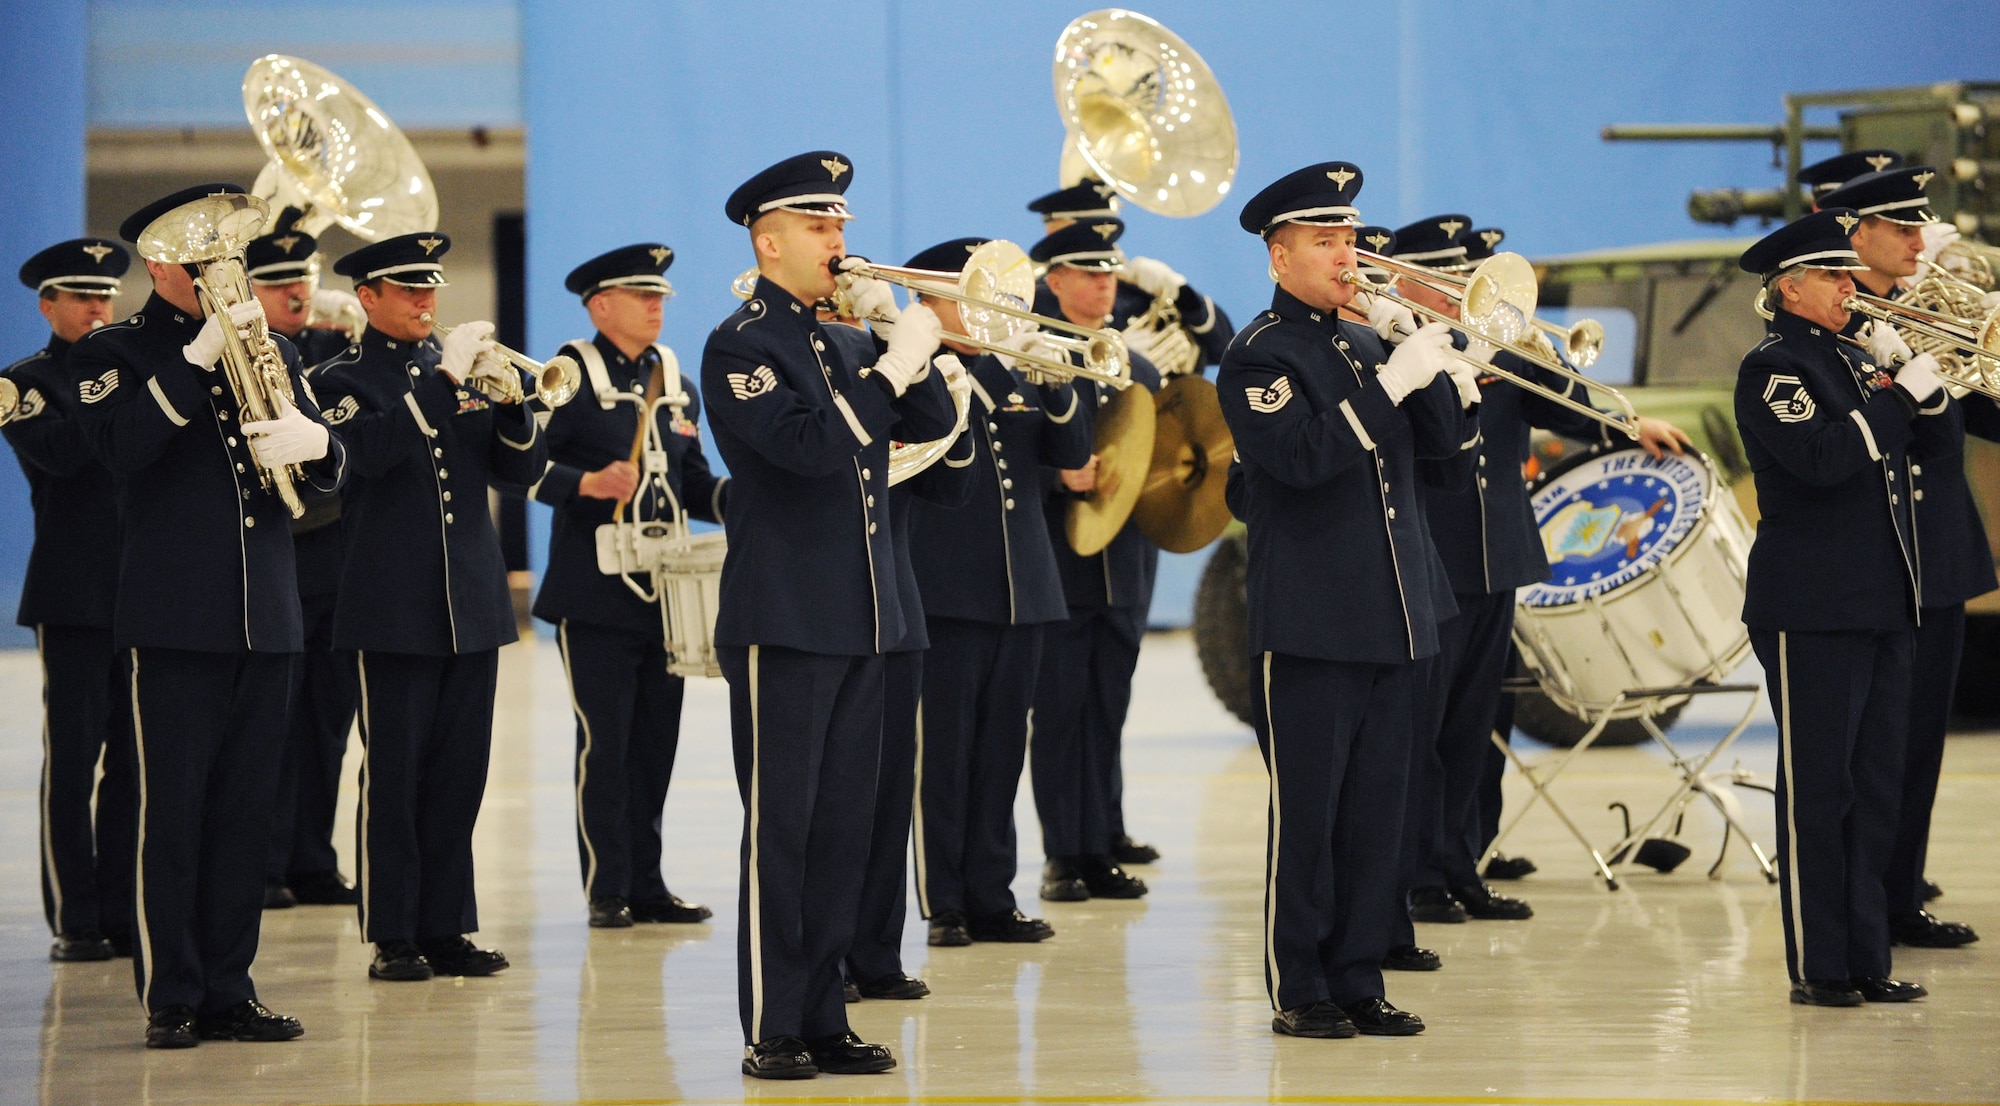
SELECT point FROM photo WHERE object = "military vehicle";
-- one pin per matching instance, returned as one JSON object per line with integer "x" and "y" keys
{"x": 1684, "y": 312}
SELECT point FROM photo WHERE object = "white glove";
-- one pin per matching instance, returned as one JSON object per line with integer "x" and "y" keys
{"x": 1989, "y": 301}
{"x": 873, "y": 300}
{"x": 207, "y": 345}
{"x": 1886, "y": 346}
{"x": 911, "y": 345}
{"x": 1154, "y": 278}
{"x": 1139, "y": 340}
{"x": 1465, "y": 378}
{"x": 1417, "y": 361}
{"x": 335, "y": 305}
{"x": 463, "y": 346}
{"x": 1936, "y": 237}
{"x": 1918, "y": 376}
{"x": 1481, "y": 351}
{"x": 956, "y": 379}
{"x": 289, "y": 439}
{"x": 1391, "y": 320}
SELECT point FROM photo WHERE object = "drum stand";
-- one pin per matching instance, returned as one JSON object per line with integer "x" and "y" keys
{"x": 1693, "y": 772}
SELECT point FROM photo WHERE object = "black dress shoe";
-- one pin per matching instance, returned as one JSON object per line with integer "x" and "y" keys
{"x": 1127, "y": 851}
{"x": 1509, "y": 867}
{"x": 670, "y": 911}
{"x": 848, "y": 1054}
{"x": 1410, "y": 958}
{"x": 458, "y": 956}
{"x": 1435, "y": 904}
{"x": 1932, "y": 892}
{"x": 84, "y": 944}
{"x": 849, "y": 993}
{"x": 779, "y": 1058}
{"x": 247, "y": 1021}
{"x": 1479, "y": 901}
{"x": 1374, "y": 1017}
{"x": 1011, "y": 928}
{"x": 322, "y": 889}
{"x": 1062, "y": 880}
{"x": 1323, "y": 1020}
{"x": 610, "y": 912}
{"x": 1107, "y": 880}
{"x": 399, "y": 962}
{"x": 277, "y": 896}
{"x": 1889, "y": 990}
{"x": 1923, "y": 930}
{"x": 171, "y": 1027}
{"x": 948, "y": 930}
{"x": 897, "y": 985}
{"x": 1825, "y": 992}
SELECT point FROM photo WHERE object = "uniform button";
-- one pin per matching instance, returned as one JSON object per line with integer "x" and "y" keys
{"x": 250, "y": 522}
{"x": 239, "y": 466}
{"x": 1002, "y": 465}
{"x": 246, "y": 493}
{"x": 437, "y": 452}
{"x": 1102, "y": 400}
{"x": 447, "y": 517}
{"x": 871, "y": 527}
{"x": 871, "y": 501}
{"x": 998, "y": 446}
{"x": 414, "y": 371}
{"x": 1342, "y": 345}
{"x": 1392, "y": 512}
{"x": 866, "y": 475}
{"x": 1482, "y": 461}
{"x": 993, "y": 428}
{"x": 1916, "y": 470}
{"x": 444, "y": 474}
{"x": 232, "y": 442}
{"x": 819, "y": 345}
{"x": 225, "y": 415}
{"x": 1482, "y": 481}
{"x": 1892, "y": 473}
{"x": 1895, "y": 499}
{"x": 215, "y": 390}
{"x": 1917, "y": 495}
{"x": 1385, "y": 489}
{"x": 447, "y": 497}
{"x": 1010, "y": 504}
{"x": 1007, "y": 482}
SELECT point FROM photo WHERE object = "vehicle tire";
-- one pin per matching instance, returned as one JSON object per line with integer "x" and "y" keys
{"x": 1221, "y": 633}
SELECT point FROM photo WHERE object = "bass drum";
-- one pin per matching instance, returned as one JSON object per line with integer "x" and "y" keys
{"x": 1221, "y": 624}
{"x": 1648, "y": 559}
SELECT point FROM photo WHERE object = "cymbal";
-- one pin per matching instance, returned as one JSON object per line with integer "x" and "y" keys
{"x": 1181, "y": 507}
{"x": 1124, "y": 449}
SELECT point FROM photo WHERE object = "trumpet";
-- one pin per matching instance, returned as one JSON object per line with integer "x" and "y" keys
{"x": 1497, "y": 305}
{"x": 555, "y": 381}
{"x": 993, "y": 292}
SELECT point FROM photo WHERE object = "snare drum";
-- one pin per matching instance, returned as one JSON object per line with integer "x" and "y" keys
{"x": 689, "y": 576}
{"x": 1648, "y": 559}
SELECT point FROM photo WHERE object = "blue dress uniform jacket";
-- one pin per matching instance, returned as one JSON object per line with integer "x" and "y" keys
{"x": 1324, "y": 451}
{"x": 1956, "y": 562}
{"x": 188, "y": 491}
{"x": 73, "y": 568}
{"x": 1484, "y": 527}
{"x": 318, "y": 345}
{"x": 993, "y": 560}
{"x": 811, "y": 563}
{"x": 584, "y": 436}
{"x": 418, "y": 530}
{"x": 1836, "y": 548}
{"x": 1121, "y": 576}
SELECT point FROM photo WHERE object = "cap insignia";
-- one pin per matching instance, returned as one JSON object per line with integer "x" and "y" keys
{"x": 1922, "y": 179}
{"x": 1379, "y": 240}
{"x": 1103, "y": 191}
{"x": 1492, "y": 238}
{"x": 1879, "y": 162}
{"x": 1340, "y": 177}
{"x": 660, "y": 254}
{"x": 286, "y": 243}
{"x": 1847, "y": 223}
{"x": 97, "y": 252}
{"x": 834, "y": 166}
{"x": 430, "y": 244}
{"x": 1451, "y": 227}
{"x": 1105, "y": 230}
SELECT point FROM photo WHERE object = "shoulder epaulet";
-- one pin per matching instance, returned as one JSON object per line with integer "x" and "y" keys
{"x": 38, "y": 355}
{"x": 1263, "y": 322}
{"x": 753, "y": 310}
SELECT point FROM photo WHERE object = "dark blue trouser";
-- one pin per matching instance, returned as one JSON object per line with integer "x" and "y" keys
{"x": 628, "y": 725}
{"x": 426, "y": 738}
{"x": 204, "y": 732}
{"x": 1081, "y": 699}
{"x": 979, "y": 690}
{"x": 320, "y": 718}
{"x": 1336, "y": 738}
{"x": 86, "y": 710}
{"x": 806, "y": 730}
{"x": 1842, "y": 701}
{"x": 877, "y": 949}
{"x": 1940, "y": 643}
{"x": 1461, "y": 693}
{"x": 1484, "y": 825}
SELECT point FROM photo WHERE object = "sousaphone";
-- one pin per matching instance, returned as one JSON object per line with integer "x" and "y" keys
{"x": 333, "y": 154}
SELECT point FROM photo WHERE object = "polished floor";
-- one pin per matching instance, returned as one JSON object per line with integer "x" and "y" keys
{"x": 1670, "y": 989}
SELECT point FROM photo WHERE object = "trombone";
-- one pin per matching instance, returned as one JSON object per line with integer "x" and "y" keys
{"x": 1497, "y": 302}
{"x": 996, "y": 278}
{"x": 1581, "y": 341}
{"x": 1965, "y": 349}
{"x": 556, "y": 381}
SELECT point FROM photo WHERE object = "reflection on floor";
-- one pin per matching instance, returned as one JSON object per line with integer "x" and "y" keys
{"x": 1671, "y": 989}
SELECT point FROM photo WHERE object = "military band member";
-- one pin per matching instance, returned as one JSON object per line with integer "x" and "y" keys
{"x": 614, "y": 645}
{"x": 1827, "y": 174}
{"x": 1346, "y": 594}
{"x": 1085, "y": 687}
{"x": 66, "y": 598}
{"x": 1957, "y": 564}
{"x": 1832, "y": 600}
{"x": 208, "y": 612}
{"x": 1141, "y": 283}
{"x": 809, "y": 602}
{"x": 423, "y": 604}
{"x": 283, "y": 271}
{"x": 989, "y": 582}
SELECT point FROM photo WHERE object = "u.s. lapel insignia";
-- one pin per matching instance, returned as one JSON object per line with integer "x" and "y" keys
{"x": 834, "y": 166}
{"x": 1923, "y": 178}
{"x": 1105, "y": 230}
{"x": 1379, "y": 240}
{"x": 1451, "y": 227}
{"x": 1879, "y": 162}
{"x": 1847, "y": 222}
{"x": 97, "y": 253}
{"x": 660, "y": 254}
{"x": 1340, "y": 177}
{"x": 286, "y": 243}
{"x": 430, "y": 244}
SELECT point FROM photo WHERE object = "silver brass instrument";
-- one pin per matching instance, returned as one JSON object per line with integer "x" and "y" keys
{"x": 1976, "y": 263}
{"x": 1496, "y": 306}
{"x": 211, "y": 233}
{"x": 10, "y": 401}
{"x": 1967, "y": 350}
{"x": 1144, "y": 113}
{"x": 555, "y": 381}
{"x": 333, "y": 154}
